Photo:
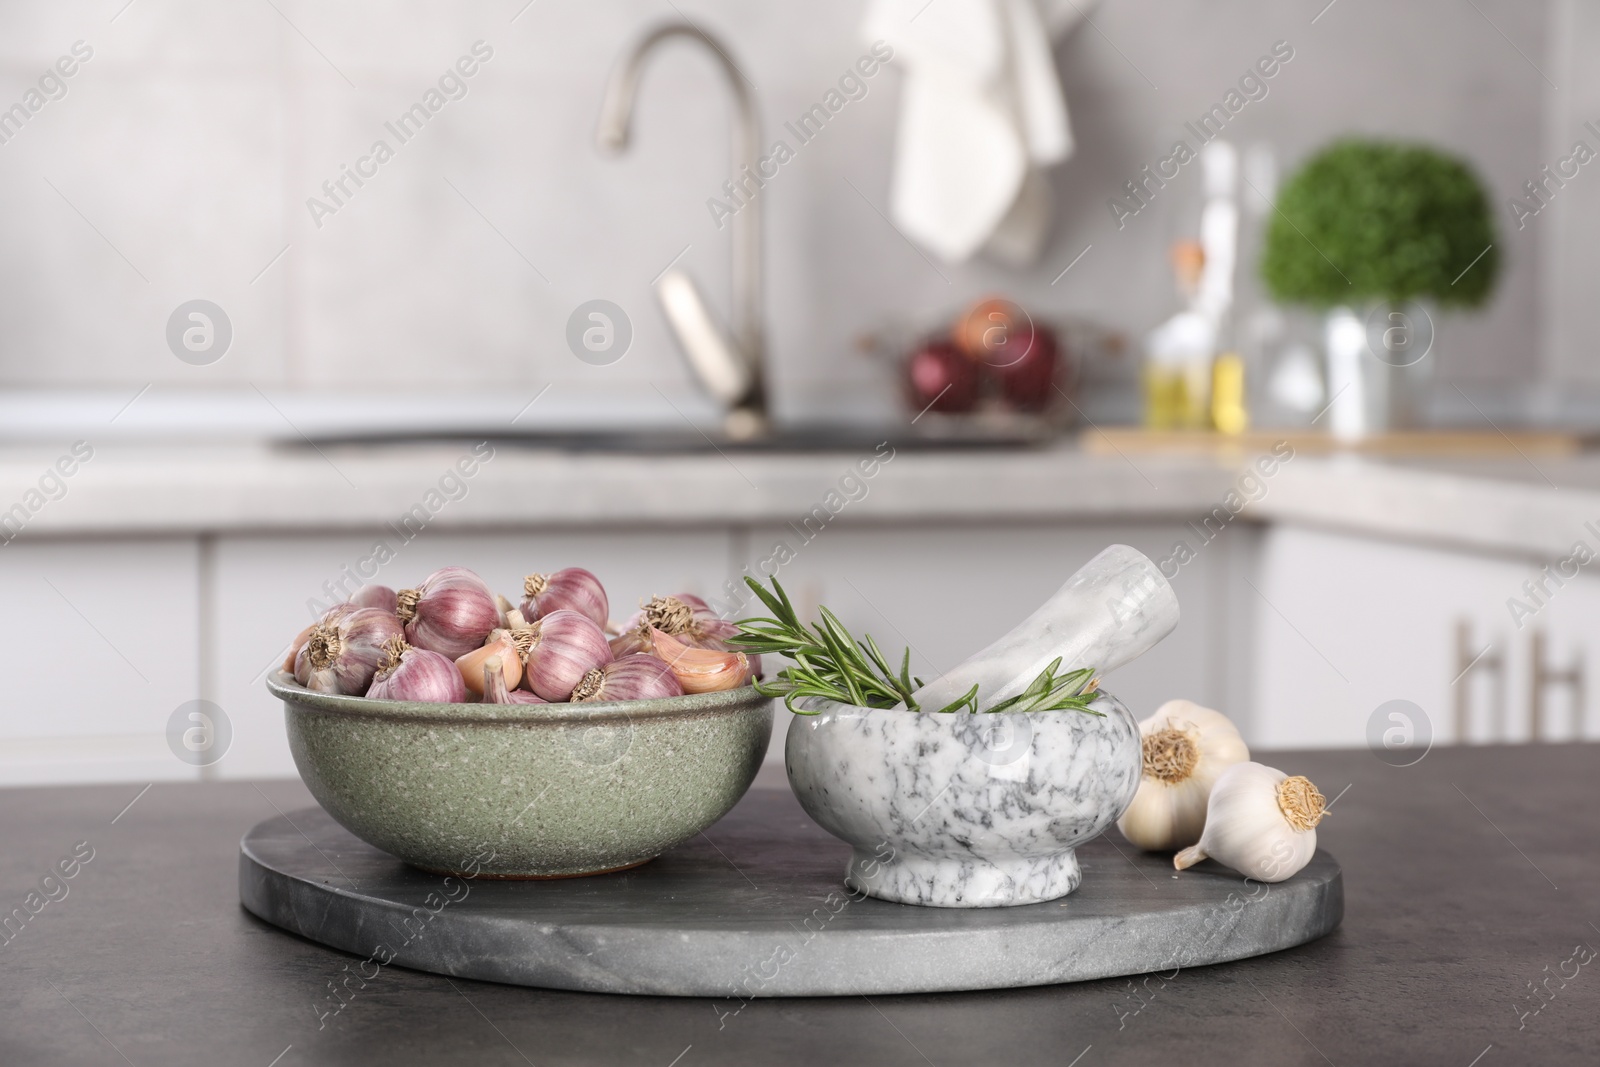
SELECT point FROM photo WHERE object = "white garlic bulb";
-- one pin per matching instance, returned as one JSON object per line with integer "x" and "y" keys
{"x": 1260, "y": 822}
{"x": 1186, "y": 747}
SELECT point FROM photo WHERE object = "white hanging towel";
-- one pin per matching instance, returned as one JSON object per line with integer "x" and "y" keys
{"x": 982, "y": 116}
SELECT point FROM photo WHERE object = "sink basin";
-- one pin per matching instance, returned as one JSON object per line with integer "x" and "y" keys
{"x": 578, "y": 419}
{"x": 816, "y": 437}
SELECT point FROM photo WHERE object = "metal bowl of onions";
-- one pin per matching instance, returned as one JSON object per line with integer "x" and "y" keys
{"x": 545, "y": 790}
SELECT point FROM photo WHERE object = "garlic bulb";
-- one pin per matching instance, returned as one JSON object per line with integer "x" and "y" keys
{"x": 684, "y": 616}
{"x": 635, "y": 677}
{"x": 333, "y": 614}
{"x": 571, "y": 589}
{"x": 1260, "y": 822}
{"x": 416, "y": 674}
{"x": 564, "y": 646}
{"x": 701, "y": 670}
{"x": 377, "y": 596}
{"x": 1186, "y": 747}
{"x": 450, "y": 613}
{"x": 342, "y": 655}
{"x": 295, "y": 646}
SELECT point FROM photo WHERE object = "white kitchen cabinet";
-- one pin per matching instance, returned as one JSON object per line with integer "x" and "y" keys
{"x": 1346, "y": 623}
{"x": 103, "y": 641}
{"x": 261, "y": 585}
{"x": 1559, "y": 671}
{"x": 948, "y": 590}
{"x": 1299, "y": 634}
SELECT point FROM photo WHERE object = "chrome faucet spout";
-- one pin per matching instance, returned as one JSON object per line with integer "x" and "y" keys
{"x": 732, "y": 370}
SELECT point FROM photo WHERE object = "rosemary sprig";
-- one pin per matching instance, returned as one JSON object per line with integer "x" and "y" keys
{"x": 829, "y": 662}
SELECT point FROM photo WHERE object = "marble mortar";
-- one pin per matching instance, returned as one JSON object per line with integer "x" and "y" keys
{"x": 964, "y": 810}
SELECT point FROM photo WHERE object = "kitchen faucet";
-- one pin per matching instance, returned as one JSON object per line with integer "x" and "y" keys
{"x": 730, "y": 367}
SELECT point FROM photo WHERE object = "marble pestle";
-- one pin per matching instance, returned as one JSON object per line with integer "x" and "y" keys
{"x": 1113, "y": 609}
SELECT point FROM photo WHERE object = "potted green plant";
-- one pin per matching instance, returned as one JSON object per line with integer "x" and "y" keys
{"x": 1370, "y": 232}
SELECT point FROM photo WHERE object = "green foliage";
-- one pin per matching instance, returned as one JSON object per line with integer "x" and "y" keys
{"x": 1368, "y": 220}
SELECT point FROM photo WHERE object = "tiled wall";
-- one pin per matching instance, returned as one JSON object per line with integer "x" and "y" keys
{"x": 179, "y": 162}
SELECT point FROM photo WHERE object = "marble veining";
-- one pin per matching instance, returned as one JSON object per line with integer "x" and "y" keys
{"x": 775, "y": 922}
{"x": 962, "y": 810}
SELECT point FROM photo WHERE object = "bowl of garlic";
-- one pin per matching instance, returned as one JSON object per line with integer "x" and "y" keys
{"x": 442, "y": 721}
{"x": 974, "y": 790}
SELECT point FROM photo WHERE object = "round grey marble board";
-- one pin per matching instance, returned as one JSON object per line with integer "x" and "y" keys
{"x": 757, "y": 906}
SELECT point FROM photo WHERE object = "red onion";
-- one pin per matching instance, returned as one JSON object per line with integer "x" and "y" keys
{"x": 417, "y": 674}
{"x": 450, "y": 613}
{"x": 1027, "y": 379}
{"x": 376, "y": 596}
{"x": 572, "y": 589}
{"x": 940, "y": 378}
{"x": 636, "y": 677}
{"x": 566, "y": 646}
{"x": 342, "y": 654}
{"x": 494, "y": 686}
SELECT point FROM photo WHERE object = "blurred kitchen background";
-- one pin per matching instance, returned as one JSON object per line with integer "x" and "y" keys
{"x": 431, "y": 309}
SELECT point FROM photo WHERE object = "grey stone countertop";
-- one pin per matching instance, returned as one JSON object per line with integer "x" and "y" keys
{"x": 1472, "y": 897}
{"x": 129, "y": 487}
{"x": 1535, "y": 506}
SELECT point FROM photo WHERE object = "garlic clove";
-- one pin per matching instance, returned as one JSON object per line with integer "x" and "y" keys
{"x": 721, "y": 635}
{"x": 571, "y": 589}
{"x": 1186, "y": 747}
{"x": 451, "y": 613}
{"x": 417, "y": 674}
{"x": 635, "y": 677}
{"x": 494, "y": 686}
{"x": 715, "y": 633}
{"x": 1261, "y": 822}
{"x": 563, "y": 647}
{"x": 632, "y": 642}
{"x": 701, "y": 670}
{"x": 501, "y": 647}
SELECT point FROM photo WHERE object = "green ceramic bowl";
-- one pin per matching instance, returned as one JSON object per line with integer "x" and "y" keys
{"x": 526, "y": 790}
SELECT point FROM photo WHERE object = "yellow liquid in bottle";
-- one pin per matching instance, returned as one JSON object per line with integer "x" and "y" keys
{"x": 1175, "y": 398}
{"x": 1164, "y": 397}
{"x": 1228, "y": 411}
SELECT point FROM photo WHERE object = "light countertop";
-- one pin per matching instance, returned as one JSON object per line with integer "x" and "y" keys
{"x": 243, "y": 487}
{"x": 1534, "y": 506}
